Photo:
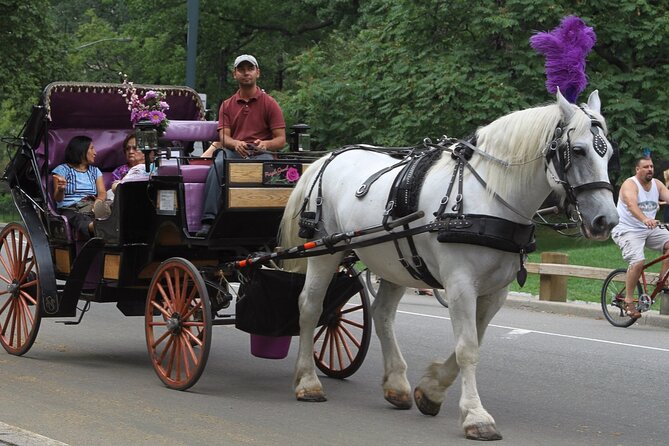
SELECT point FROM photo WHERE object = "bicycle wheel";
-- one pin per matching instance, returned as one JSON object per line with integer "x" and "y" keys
{"x": 372, "y": 282}
{"x": 440, "y": 297}
{"x": 613, "y": 297}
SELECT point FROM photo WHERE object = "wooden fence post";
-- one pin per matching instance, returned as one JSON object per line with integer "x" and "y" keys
{"x": 553, "y": 288}
{"x": 664, "y": 303}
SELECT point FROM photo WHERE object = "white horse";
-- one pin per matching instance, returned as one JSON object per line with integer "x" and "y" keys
{"x": 521, "y": 157}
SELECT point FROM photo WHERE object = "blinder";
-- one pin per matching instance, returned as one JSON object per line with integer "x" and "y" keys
{"x": 561, "y": 153}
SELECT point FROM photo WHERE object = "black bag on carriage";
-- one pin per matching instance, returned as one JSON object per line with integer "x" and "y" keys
{"x": 267, "y": 303}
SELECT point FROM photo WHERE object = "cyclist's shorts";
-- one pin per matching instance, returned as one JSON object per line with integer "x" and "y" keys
{"x": 632, "y": 243}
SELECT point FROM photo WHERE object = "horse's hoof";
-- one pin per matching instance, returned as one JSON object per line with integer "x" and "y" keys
{"x": 424, "y": 404}
{"x": 311, "y": 396}
{"x": 482, "y": 432}
{"x": 399, "y": 400}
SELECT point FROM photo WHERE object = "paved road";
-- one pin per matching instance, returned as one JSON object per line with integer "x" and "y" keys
{"x": 548, "y": 379}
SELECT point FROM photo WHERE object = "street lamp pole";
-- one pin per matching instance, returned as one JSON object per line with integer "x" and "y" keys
{"x": 118, "y": 39}
{"x": 191, "y": 43}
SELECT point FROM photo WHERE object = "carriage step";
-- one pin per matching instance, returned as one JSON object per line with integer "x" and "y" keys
{"x": 87, "y": 306}
{"x": 69, "y": 322}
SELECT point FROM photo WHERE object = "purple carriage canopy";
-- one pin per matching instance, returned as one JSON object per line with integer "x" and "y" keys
{"x": 99, "y": 111}
{"x": 101, "y": 106}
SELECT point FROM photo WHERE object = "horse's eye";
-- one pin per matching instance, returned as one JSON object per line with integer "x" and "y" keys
{"x": 579, "y": 151}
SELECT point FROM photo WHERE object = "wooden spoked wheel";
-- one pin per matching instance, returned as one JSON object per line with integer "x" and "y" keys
{"x": 341, "y": 344}
{"x": 20, "y": 312}
{"x": 178, "y": 323}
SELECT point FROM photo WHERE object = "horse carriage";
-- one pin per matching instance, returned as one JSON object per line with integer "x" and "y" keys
{"x": 455, "y": 214}
{"x": 146, "y": 257}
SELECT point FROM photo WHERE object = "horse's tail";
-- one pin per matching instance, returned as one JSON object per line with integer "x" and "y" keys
{"x": 289, "y": 227}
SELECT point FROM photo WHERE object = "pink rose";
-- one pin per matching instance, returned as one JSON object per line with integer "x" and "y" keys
{"x": 292, "y": 174}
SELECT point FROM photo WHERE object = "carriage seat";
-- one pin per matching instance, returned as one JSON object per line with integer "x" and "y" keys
{"x": 193, "y": 177}
{"x": 193, "y": 172}
{"x": 108, "y": 147}
{"x": 109, "y": 155}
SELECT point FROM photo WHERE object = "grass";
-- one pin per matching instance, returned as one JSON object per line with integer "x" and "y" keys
{"x": 9, "y": 217}
{"x": 581, "y": 252}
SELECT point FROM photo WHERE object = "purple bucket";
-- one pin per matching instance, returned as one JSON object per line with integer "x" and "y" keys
{"x": 270, "y": 347}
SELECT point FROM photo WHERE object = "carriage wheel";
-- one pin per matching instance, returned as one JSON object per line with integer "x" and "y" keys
{"x": 20, "y": 300}
{"x": 341, "y": 344}
{"x": 178, "y": 323}
{"x": 613, "y": 298}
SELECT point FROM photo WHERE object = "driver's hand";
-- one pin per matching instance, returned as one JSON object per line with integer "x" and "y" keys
{"x": 260, "y": 144}
{"x": 241, "y": 149}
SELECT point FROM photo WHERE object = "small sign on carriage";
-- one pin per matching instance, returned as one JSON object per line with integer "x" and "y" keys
{"x": 281, "y": 173}
{"x": 167, "y": 202}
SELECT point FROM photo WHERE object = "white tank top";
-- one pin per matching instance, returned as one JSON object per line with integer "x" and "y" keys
{"x": 648, "y": 203}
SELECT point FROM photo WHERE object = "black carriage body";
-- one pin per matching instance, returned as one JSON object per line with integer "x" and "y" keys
{"x": 117, "y": 267}
{"x": 151, "y": 220}
{"x": 146, "y": 256}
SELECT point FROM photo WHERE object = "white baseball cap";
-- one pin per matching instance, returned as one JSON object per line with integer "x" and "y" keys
{"x": 246, "y": 58}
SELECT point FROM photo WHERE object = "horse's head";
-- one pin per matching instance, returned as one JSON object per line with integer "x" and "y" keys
{"x": 577, "y": 160}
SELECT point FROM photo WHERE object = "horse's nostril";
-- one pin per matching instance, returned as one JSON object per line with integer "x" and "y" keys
{"x": 601, "y": 223}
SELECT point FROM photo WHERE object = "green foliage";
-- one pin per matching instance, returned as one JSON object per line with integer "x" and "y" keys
{"x": 370, "y": 71}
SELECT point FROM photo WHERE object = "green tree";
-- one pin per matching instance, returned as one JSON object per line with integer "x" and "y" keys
{"x": 414, "y": 69}
{"x": 30, "y": 60}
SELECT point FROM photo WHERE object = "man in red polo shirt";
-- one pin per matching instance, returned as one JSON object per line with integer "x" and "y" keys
{"x": 250, "y": 124}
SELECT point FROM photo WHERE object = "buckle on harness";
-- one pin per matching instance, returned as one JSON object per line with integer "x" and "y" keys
{"x": 361, "y": 190}
{"x": 458, "y": 203}
{"x": 389, "y": 207}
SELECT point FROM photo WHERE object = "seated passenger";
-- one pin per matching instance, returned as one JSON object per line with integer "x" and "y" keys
{"x": 249, "y": 117}
{"x": 78, "y": 185}
{"x": 133, "y": 169}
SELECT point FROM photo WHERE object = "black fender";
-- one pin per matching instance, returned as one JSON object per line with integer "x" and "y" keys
{"x": 40, "y": 241}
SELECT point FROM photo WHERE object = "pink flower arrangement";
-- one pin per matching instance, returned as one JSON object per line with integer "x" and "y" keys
{"x": 150, "y": 107}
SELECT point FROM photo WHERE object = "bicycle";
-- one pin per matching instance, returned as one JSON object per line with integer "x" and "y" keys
{"x": 613, "y": 293}
{"x": 372, "y": 282}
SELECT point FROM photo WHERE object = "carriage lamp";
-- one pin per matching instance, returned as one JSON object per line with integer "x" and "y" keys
{"x": 147, "y": 140}
{"x": 300, "y": 140}
{"x": 146, "y": 136}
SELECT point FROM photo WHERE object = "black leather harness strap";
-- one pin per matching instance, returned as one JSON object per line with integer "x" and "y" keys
{"x": 364, "y": 187}
{"x": 400, "y": 203}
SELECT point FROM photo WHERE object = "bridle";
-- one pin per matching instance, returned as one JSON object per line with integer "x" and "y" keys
{"x": 561, "y": 153}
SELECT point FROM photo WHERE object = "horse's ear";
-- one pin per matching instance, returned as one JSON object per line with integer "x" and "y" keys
{"x": 594, "y": 103}
{"x": 566, "y": 107}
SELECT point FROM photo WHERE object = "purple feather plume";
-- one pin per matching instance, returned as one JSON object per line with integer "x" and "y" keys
{"x": 565, "y": 49}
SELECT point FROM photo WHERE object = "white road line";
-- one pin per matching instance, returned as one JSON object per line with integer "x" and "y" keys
{"x": 516, "y": 331}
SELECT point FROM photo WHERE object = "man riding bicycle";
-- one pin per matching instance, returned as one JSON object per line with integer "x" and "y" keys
{"x": 638, "y": 203}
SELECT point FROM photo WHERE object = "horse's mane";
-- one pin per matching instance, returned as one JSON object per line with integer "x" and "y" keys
{"x": 520, "y": 139}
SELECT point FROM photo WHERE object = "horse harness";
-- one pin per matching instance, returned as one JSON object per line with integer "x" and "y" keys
{"x": 562, "y": 154}
{"x": 452, "y": 225}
